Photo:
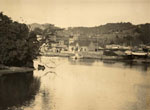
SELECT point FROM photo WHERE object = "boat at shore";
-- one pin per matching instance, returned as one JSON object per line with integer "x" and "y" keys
{"x": 140, "y": 53}
{"x": 137, "y": 53}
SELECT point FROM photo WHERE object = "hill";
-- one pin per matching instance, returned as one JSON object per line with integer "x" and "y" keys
{"x": 110, "y": 33}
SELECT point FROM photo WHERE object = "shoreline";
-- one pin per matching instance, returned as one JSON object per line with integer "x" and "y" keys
{"x": 13, "y": 69}
{"x": 97, "y": 55}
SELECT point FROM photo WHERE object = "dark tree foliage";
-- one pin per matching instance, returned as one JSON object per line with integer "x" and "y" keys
{"x": 38, "y": 31}
{"x": 144, "y": 31}
{"x": 18, "y": 46}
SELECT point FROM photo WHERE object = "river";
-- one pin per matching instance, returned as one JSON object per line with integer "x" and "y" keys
{"x": 85, "y": 84}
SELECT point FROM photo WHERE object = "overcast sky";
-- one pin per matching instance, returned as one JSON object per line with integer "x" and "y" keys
{"x": 66, "y": 13}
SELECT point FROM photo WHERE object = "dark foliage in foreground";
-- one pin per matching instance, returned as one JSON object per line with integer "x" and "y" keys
{"x": 18, "y": 46}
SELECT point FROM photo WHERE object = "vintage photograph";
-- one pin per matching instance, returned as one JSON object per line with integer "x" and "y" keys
{"x": 74, "y": 54}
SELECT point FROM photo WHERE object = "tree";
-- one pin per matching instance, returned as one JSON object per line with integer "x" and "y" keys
{"x": 48, "y": 33}
{"x": 18, "y": 46}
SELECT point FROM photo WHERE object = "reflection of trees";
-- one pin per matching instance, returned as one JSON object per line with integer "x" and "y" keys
{"x": 17, "y": 89}
{"x": 128, "y": 64}
{"x": 142, "y": 66}
{"x": 45, "y": 99}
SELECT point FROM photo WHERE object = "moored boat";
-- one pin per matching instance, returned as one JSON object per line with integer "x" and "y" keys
{"x": 136, "y": 53}
{"x": 140, "y": 53}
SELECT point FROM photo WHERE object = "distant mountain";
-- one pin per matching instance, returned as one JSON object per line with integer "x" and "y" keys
{"x": 103, "y": 29}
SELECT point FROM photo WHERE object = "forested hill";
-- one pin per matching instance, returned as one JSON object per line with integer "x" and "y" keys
{"x": 116, "y": 33}
{"x": 110, "y": 33}
{"x": 102, "y": 29}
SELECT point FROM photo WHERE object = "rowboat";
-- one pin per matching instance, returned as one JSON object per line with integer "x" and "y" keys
{"x": 136, "y": 53}
{"x": 139, "y": 53}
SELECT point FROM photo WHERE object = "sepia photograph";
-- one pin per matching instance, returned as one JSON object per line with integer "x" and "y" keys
{"x": 74, "y": 54}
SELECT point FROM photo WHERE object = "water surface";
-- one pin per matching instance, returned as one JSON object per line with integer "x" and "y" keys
{"x": 68, "y": 84}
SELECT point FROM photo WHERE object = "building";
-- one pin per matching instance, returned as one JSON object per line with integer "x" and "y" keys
{"x": 83, "y": 46}
{"x": 59, "y": 45}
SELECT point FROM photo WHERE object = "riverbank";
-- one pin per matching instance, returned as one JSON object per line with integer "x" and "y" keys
{"x": 12, "y": 69}
{"x": 99, "y": 55}
{"x": 54, "y": 54}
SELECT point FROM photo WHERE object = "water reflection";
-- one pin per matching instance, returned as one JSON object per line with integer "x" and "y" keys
{"x": 112, "y": 63}
{"x": 128, "y": 64}
{"x": 89, "y": 62}
{"x": 17, "y": 90}
{"x": 142, "y": 96}
{"x": 139, "y": 66}
{"x": 84, "y": 84}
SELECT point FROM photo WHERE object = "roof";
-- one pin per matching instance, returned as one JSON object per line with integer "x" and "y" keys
{"x": 81, "y": 43}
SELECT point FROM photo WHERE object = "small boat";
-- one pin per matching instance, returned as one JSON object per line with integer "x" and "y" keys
{"x": 136, "y": 53}
{"x": 139, "y": 53}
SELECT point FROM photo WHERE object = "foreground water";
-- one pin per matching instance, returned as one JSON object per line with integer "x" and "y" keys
{"x": 68, "y": 84}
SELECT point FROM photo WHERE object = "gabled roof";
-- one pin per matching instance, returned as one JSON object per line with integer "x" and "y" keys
{"x": 81, "y": 43}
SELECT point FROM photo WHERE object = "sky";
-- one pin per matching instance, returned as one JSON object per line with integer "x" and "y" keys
{"x": 70, "y": 13}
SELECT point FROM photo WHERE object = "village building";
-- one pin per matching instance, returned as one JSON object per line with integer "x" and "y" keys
{"x": 60, "y": 44}
{"x": 83, "y": 46}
